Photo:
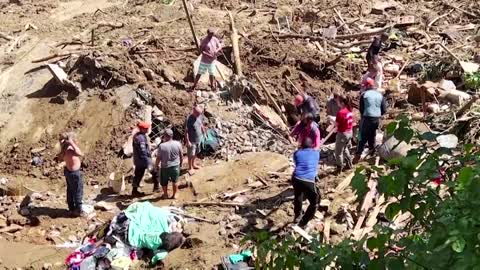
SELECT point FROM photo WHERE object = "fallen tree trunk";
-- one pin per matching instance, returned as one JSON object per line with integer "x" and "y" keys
{"x": 226, "y": 204}
{"x": 236, "y": 50}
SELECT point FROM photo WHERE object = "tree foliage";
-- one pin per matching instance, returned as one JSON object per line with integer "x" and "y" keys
{"x": 443, "y": 233}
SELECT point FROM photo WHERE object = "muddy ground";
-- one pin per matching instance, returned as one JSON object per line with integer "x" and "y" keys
{"x": 149, "y": 45}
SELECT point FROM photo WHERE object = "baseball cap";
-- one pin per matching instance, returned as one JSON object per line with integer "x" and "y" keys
{"x": 143, "y": 124}
{"x": 169, "y": 132}
{"x": 369, "y": 82}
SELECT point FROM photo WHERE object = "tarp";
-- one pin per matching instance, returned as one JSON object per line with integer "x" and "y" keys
{"x": 147, "y": 223}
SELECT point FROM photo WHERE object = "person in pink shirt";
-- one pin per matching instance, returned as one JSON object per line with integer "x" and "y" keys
{"x": 344, "y": 122}
{"x": 307, "y": 128}
{"x": 209, "y": 47}
{"x": 375, "y": 72}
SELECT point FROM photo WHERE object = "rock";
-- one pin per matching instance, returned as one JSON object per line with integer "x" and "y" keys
{"x": 191, "y": 229}
{"x": 415, "y": 92}
{"x": 72, "y": 238}
{"x": 234, "y": 217}
{"x": 11, "y": 229}
{"x": 37, "y": 150}
{"x": 456, "y": 97}
{"x": 149, "y": 74}
{"x": 433, "y": 108}
{"x": 447, "y": 85}
{"x": 382, "y": 6}
{"x": 392, "y": 69}
{"x": 103, "y": 206}
{"x": 47, "y": 266}
{"x": 16, "y": 218}
{"x": 24, "y": 211}
{"x": 387, "y": 152}
{"x": 222, "y": 231}
{"x": 3, "y": 223}
{"x": 448, "y": 141}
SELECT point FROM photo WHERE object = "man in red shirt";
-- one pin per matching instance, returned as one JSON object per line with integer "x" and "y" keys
{"x": 344, "y": 121}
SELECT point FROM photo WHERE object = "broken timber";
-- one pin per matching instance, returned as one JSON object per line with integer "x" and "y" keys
{"x": 271, "y": 99}
{"x": 236, "y": 50}
{"x": 226, "y": 204}
{"x": 302, "y": 233}
{"x": 187, "y": 12}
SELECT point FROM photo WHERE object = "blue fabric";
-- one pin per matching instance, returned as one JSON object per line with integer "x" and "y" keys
{"x": 372, "y": 100}
{"x": 141, "y": 151}
{"x": 306, "y": 164}
{"x": 74, "y": 189}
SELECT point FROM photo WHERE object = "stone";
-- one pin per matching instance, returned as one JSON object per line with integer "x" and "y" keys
{"x": 447, "y": 85}
{"x": 456, "y": 97}
{"x": 16, "y": 218}
{"x": 234, "y": 217}
{"x": 3, "y": 223}
{"x": 47, "y": 266}
{"x": 24, "y": 211}
{"x": 380, "y": 7}
{"x": 149, "y": 74}
{"x": 103, "y": 206}
{"x": 72, "y": 238}
{"x": 222, "y": 231}
{"x": 11, "y": 229}
{"x": 37, "y": 150}
{"x": 448, "y": 141}
{"x": 191, "y": 229}
{"x": 386, "y": 151}
{"x": 433, "y": 108}
{"x": 415, "y": 93}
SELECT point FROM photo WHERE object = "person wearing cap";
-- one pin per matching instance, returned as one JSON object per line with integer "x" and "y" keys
{"x": 372, "y": 107}
{"x": 141, "y": 156}
{"x": 209, "y": 48}
{"x": 194, "y": 131}
{"x": 307, "y": 128}
{"x": 170, "y": 159}
{"x": 307, "y": 104}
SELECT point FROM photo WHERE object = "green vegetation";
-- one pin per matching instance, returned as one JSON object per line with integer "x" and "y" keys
{"x": 443, "y": 233}
{"x": 472, "y": 80}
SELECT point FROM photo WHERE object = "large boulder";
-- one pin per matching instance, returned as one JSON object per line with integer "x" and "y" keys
{"x": 388, "y": 150}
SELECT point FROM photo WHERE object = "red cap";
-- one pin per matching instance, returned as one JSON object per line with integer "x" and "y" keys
{"x": 369, "y": 83}
{"x": 298, "y": 100}
{"x": 144, "y": 125}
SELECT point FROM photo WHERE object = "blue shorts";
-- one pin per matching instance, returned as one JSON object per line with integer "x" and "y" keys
{"x": 203, "y": 68}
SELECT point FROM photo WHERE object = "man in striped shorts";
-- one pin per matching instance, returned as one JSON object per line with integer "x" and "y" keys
{"x": 210, "y": 47}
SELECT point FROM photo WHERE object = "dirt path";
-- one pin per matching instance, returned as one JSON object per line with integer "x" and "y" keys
{"x": 22, "y": 255}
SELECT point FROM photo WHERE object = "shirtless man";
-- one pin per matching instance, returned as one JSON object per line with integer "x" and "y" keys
{"x": 70, "y": 153}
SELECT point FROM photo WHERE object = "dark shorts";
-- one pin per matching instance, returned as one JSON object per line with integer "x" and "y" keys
{"x": 169, "y": 174}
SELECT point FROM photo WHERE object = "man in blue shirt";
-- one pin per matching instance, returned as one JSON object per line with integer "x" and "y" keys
{"x": 372, "y": 108}
{"x": 141, "y": 156}
{"x": 304, "y": 176}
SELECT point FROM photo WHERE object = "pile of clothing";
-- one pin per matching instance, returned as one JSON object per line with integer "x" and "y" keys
{"x": 141, "y": 232}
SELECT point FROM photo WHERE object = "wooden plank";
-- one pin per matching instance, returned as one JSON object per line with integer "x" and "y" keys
{"x": 345, "y": 183}
{"x": 302, "y": 233}
{"x": 372, "y": 219}
{"x": 326, "y": 231}
{"x": 271, "y": 99}
{"x": 58, "y": 73}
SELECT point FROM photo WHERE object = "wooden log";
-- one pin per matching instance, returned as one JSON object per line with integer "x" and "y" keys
{"x": 344, "y": 24}
{"x": 372, "y": 32}
{"x": 345, "y": 183}
{"x": 5, "y": 36}
{"x": 467, "y": 106}
{"x": 294, "y": 87}
{"x": 236, "y": 50}
{"x": 271, "y": 99}
{"x": 326, "y": 231}
{"x": 225, "y": 204}
{"x": 187, "y": 12}
{"x": 372, "y": 219}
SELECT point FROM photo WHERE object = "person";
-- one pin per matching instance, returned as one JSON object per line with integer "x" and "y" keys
{"x": 194, "y": 131}
{"x": 375, "y": 48}
{"x": 70, "y": 153}
{"x": 170, "y": 157}
{"x": 141, "y": 156}
{"x": 332, "y": 105}
{"x": 375, "y": 72}
{"x": 372, "y": 107}
{"x": 307, "y": 128}
{"x": 307, "y": 104}
{"x": 344, "y": 123}
{"x": 303, "y": 180}
{"x": 209, "y": 47}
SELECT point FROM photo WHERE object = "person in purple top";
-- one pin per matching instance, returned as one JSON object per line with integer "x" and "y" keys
{"x": 209, "y": 47}
{"x": 303, "y": 180}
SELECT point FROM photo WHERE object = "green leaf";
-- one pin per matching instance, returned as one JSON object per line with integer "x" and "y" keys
{"x": 465, "y": 177}
{"x": 392, "y": 210}
{"x": 395, "y": 264}
{"x": 429, "y": 136}
{"x": 391, "y": 128}
{"x": 468, "y": 147}
{"x": 459, "y": 245}
{"x": 359, "y": 184}
{"x": 372, "y": 243}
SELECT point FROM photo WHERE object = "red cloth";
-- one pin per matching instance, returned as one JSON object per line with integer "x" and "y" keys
{"x": 344, "y": 120}
{"x": 302, "y": 131}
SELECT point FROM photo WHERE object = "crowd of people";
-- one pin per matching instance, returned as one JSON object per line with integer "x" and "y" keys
{"x": 372, "y": 107}
{"x": 169, "y": 153}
